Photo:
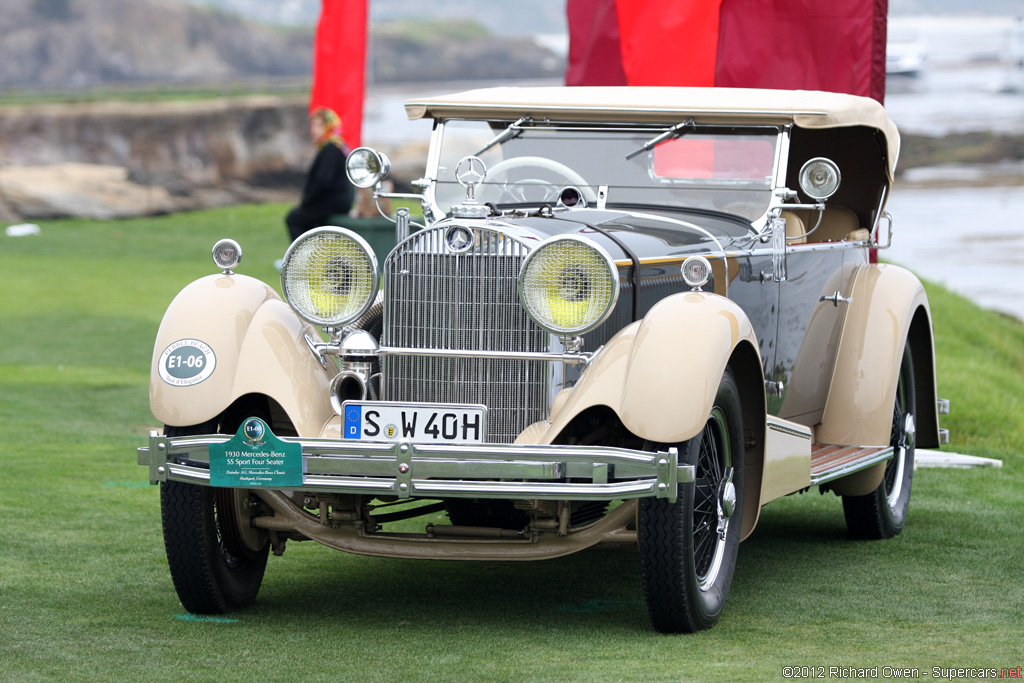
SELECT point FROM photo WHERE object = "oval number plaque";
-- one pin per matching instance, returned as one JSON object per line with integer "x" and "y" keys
{"x": 187, "y": 362}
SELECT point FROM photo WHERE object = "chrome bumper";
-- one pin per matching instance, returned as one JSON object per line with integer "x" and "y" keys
{"x": 405, "y": 470}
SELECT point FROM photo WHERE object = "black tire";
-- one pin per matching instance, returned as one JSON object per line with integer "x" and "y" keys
{"x": 883, "y": 512}
{"x": 213, "y": 570}
{"x": 686, "y": 563}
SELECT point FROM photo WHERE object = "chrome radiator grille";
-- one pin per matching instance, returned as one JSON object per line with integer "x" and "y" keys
{"x": 436, "y": 299}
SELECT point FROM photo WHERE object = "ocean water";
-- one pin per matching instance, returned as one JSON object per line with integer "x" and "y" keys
{"x": 969, "y": 239}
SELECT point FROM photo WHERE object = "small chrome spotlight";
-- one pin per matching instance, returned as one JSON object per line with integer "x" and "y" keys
{"x": 227, "y": 254}
{"x": 696, "y": 272}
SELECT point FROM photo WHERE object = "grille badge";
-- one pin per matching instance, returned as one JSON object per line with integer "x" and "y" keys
{"x": 458, "y": 239}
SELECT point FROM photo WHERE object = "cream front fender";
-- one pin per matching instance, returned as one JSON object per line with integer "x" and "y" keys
{"x": 660, "y": 375}
{"x": 889, "y": 307}
{"x": 254, "y": 343}
{"x": 676, "y": 362}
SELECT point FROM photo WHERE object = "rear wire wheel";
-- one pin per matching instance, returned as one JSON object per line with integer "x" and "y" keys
{"x": 216, "y": 559}
{"x": 688, "y": 548}
{"x": 883, "y": 512}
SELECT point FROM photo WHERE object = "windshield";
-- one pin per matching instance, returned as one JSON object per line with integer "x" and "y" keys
{"x": 720, "y": 169}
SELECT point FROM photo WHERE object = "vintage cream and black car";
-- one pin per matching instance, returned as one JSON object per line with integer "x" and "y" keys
{"x": 632, "y": 318}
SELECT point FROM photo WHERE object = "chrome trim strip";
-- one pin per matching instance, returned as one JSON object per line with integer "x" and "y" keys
{"x": 432, "y": 210}
{"x": 670, "y": 260}
{"x": 538, "y": 490}
{"x": 879, "y": 210}
{"x": 189, "y": 475}
{"x": 792, "y": 431}
{"x": 812, "y": 246}
{"x": 432, "y": 470}
{"x": 850, "y": 468}
{"x": 442, "y": 468}
{"x": 570, "y": 358}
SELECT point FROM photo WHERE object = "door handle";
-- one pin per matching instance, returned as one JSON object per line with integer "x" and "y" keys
{"x": 835, "y": 298}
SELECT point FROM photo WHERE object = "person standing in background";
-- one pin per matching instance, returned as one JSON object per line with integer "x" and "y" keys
{"x": 328, "y": 191}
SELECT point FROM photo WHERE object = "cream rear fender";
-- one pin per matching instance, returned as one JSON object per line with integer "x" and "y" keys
{"x": 889, "y": 307}
{"x": 226, "y": 336}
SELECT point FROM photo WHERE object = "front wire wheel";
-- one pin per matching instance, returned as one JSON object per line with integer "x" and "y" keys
{"x": 216, "y": 559}
{"x": 883, "y": 512}
{"x": 688, "y": 548}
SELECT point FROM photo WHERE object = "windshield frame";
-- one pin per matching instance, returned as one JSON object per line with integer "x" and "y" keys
{"x": 648, "y": 131}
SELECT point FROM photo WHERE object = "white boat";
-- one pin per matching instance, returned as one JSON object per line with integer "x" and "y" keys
{"x": 905, "y": 56}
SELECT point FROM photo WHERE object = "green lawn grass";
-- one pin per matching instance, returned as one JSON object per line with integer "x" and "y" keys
{"x": 296, "y": 86}
{"x": 85, "y": 593}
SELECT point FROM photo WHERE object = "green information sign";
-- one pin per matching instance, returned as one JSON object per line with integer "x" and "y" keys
{"x": 255, "y": 457}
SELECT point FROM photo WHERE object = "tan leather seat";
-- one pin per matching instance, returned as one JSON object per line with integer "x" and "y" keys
{"x": 795, "y": 228}
{"x": 836, "y": 224}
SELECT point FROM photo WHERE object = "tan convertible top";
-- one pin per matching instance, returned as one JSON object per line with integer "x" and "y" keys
{"x": 805, "y": 108}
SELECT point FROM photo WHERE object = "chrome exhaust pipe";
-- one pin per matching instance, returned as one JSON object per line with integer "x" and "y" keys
{"x": 347, "y": 386}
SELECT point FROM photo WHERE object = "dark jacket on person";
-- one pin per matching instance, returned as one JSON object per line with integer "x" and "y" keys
{"x": 327, "y": 191}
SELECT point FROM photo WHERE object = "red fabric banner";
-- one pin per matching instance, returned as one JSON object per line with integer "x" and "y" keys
{"x": 879, "y": 37}
{"x": 798, "y": 44}
{"x": 339, "y": 64}
{"x": 595, "y": 57}
{"x": 837, "y": 45}
{"x": 669, "y": 42}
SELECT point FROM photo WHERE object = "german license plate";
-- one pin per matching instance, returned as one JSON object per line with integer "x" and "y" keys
{"x": 415, "y": 422}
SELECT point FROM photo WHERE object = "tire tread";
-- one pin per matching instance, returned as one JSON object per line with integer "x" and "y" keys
{"x": 675, "y": 603}
{"x": 182, "y": 513}
{"x": 204, "y": 582}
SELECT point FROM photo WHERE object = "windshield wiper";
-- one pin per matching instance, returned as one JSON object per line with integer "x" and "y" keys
{"x": 675, "y": 131}
{"x": 512, "y": 131}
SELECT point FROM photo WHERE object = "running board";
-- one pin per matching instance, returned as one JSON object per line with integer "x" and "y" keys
{"x": 833, "y": 462}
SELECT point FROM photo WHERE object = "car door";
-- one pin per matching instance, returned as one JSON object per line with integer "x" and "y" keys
{"x": 756, "y": 291}
{"x": 813, "y": 301}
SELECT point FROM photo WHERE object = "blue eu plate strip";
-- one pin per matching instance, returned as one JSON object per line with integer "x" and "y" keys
{"x": 353, "y": 421}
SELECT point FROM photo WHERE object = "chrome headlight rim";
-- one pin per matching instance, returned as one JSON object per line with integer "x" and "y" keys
{"x": 608, "y": 262}
{"x": 355, "y": 314}
{"x": 369, "y": 158}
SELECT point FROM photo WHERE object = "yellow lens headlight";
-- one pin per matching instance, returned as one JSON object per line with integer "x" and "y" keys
{"x": 329, "y": 276}
{"x": 568, "y": 285}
